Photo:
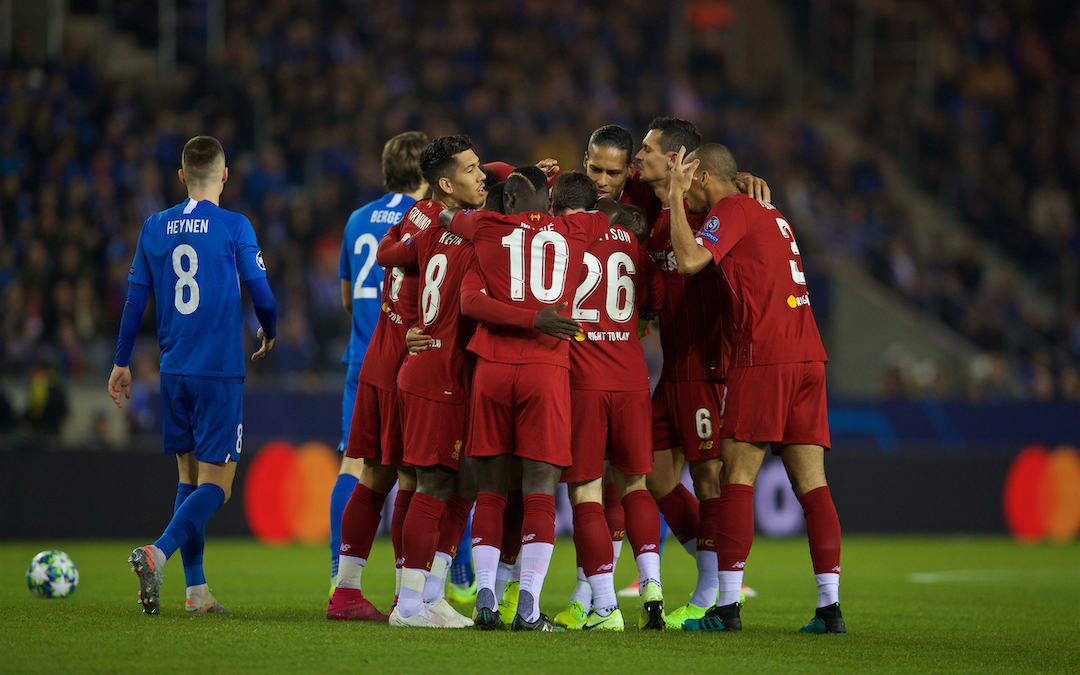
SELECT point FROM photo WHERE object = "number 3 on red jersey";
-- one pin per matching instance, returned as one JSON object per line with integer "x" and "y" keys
{"x": 796, "y": 274}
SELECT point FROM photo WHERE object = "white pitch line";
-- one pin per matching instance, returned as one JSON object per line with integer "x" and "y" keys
{"x": 1046, "y": 576}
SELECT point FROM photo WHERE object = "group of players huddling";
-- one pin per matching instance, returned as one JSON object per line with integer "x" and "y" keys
{"x": 506, "y": 358}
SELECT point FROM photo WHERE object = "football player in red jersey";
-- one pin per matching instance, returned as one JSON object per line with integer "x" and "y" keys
{"x": 521, "y": 385}
{"x": 433, "y": 385}
{"x": 609, "y": 160}
{"x": 776, "y": 381}
{"x": 688, "y": 402}
{"x": 610, "y": 409}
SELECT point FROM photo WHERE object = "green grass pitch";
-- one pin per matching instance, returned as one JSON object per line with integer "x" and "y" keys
{"x": 912, "y": 605}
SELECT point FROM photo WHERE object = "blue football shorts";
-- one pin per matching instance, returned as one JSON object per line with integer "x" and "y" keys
{"x": 204, "y": 414}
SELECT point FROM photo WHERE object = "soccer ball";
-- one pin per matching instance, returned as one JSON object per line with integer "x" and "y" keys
{"x": 52, "y": 574}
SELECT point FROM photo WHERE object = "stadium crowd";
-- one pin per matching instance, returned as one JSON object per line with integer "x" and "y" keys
{"x": 307, "y": 93}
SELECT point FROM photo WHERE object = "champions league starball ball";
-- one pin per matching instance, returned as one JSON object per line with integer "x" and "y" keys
{"x": 52, "y": 574}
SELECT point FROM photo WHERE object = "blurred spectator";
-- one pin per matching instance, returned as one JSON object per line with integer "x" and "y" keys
{"x": 47, "y": 403}
{"x": 310, "y": 89}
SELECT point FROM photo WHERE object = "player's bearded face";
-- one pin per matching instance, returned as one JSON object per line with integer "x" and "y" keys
{"x": 653, "y": 161}
{"x": 468, "y": 181}
{"x": 609, "y": 169}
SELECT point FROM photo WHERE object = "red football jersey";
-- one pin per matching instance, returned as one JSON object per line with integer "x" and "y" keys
{"x": 620, "y": 280}
{"x": 755, "y": 247}
{"x": 440, "y": 373}
{"x": 641, "y": 195}
{"x": 692, "y": 334}
{"x": 529, "y": 260}
{"x": 399, "y": 302}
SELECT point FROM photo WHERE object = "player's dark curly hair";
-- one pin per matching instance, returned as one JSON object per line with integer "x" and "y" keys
{"x": 572, "y": 190}
{"x": 676, "y": 133}
{"x": 437, "y": 161}
{"x": 613, "y": 136}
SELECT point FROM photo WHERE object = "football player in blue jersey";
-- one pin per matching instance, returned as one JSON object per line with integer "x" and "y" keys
{"x": 193, "y": 255}
{"x": 361, "y": 294}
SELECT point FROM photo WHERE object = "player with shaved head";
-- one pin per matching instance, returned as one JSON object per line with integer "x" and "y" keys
{"x": 776, "y": 380}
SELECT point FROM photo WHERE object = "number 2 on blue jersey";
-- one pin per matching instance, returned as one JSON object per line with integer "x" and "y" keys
{"x": 361, "y": 292}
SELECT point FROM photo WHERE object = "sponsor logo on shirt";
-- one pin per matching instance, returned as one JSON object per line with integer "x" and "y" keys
{"x": 711, "y": 225}
{"x": 801, "y": 301}
{"x": 608, "y": 336}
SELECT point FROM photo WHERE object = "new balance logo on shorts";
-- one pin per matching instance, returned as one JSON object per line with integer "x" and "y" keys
{"x": 476, "y": 541}
{"x": 528, "y": 538}
{"x": 607, "y": 567}
{"x": 345, "y": 547}
{"x": 648, "y": 547}
{"x": 739, "y": 565}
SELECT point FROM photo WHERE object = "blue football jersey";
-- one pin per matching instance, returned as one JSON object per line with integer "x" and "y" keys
{"x": 366, "y": 227}
{"x": 194, "y": 256}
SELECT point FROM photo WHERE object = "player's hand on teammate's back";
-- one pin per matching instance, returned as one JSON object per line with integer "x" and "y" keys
{"x": 120, "y": 381}
{"x": 416, "y": 341}
{"x": 267, "y": 345}
{"x": 548, "y": 320}
{"x": 753, "y": 187}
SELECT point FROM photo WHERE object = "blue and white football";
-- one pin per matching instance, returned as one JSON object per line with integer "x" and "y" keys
{"x": 52, "y": 574}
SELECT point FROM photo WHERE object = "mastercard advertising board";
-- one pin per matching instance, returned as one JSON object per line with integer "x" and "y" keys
{"x": 1042, "y": 494}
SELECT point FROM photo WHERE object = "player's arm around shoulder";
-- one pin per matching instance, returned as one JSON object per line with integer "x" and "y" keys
{"x": 463, "y": 223}
{"x": 690, "y": 256}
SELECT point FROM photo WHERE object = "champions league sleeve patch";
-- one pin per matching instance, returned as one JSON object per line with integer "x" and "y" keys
{"x": 711, "y": 225}
{"x": 259, "y": 261}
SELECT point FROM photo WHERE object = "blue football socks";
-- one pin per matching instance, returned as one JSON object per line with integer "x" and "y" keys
{"x": 191, "y": 550}
{"x": 191, "y": 517}
{"x": 343, "y": 488}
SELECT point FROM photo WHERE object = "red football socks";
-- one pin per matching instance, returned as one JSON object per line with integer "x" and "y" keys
{"x": 360, "y": 521}
{"x": 397, "y": 521}
{"x": 614, "y": 513}
{"x": 642, "y": 522}
{"x": 452, "y": 526}
{"x": 487, "y": 529}
{"x": 594, "y": 553}
{"x": 735, "y": 529}
{"x": 421, "y": 531}
{"x": 680, "y": 509}
{"x": 709, "y": 510}
{"x": 512, "y": 516}
{"x": 822, "y": 529}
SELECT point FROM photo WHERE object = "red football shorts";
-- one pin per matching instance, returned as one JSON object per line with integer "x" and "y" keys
{"x": 376, "y": 426}
{"x": 432, "y": 432}
{"x": 521, "y": 409}
{"x": 689, "y": 415}
{"x": 780, "y": 404}
{"x": 611, "y": 424}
